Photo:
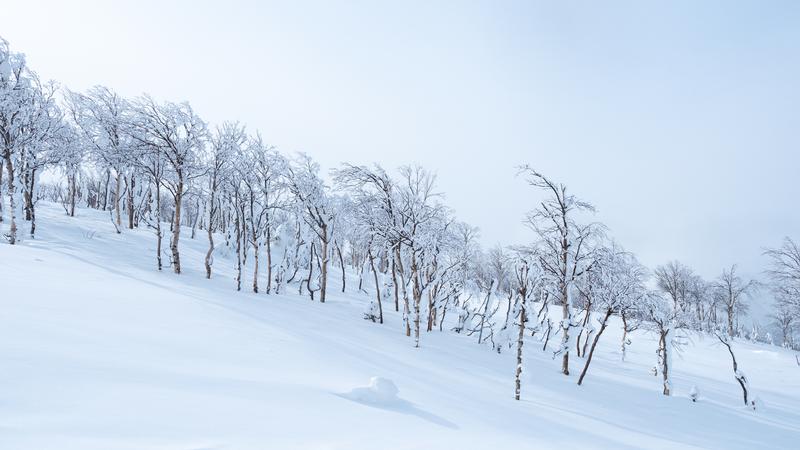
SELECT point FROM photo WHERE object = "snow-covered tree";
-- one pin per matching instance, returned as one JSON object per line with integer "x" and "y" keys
{"x": 730, "y": 291}
{"x": 103, "y": 116}
{"x": 29, "y": 119}
{"x": 688, "y": 292}
{"x": 226, "y": 144}
{"x": 564, "y": 247}
{"x": 665, "y": 321}
{"x": 179, "y": 135}
{"x": 615, "y": 285}
{"x": 422, "y": 220}
{"x": 70, "y": 159}
{"x": 525, "y": 282}
{"x": 312, "y": 200}
{"x": 262, "y": 178}
{"x": 784, "y": 276}
{"x": 725, "y": 338}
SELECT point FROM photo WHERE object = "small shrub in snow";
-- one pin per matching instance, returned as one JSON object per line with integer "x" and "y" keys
{"x": 694, "y": 394}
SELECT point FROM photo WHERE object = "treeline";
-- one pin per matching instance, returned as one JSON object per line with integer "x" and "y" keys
{"x": 158, "y": 166}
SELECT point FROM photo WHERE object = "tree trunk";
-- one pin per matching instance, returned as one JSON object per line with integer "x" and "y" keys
{"x": 117, "y": 195}
{"x": 730, "y": 322}
{"x": 520, "y": 342}
{"x": 131, "y": 185}
{"x": 27, "y": 193}
{"x": 323, "y": 285}
{"x": 176, "y": 229}
{"x": 565, "y": 331}
{"x": 624, "y": 335}
{"x": 485, "y": 311}
{"x": 580, "y": 350}
{"x": 12, "y": 206}
{"x": 310, "y": 272}
{"x": 740, "y": 378}
{"x": 72, "y": 194}
{"x": 377, "y": 287}
{"x": 594, "y": 345}
{"x": 663, "y": 343}
{"x": 394, "y": 278}
{"x": 31, "y": 199}
{"x": 406, "y": 306}
{"x": 237, "y": 224}
{"x": 269, "y": 258}
{"x": 417, "y": 295}
{"x": 341, "y": 262}
{"x": 255, "y": 265}
{"x": 158, "y": 223}
{"x": 210, "y": 251}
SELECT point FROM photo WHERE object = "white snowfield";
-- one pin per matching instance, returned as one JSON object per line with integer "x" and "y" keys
{"x": 98, "y": 350}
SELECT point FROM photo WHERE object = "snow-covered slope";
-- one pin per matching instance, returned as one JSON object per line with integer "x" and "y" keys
{"x": 98, "y": 350}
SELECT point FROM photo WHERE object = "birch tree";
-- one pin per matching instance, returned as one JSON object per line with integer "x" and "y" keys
{"x": 226, "y": 143}
{"x": 103, "y": 117}
{"x": 18, "y": 117}
{"x": 731, "y": 290}
{"x": 784, "y": 276}
{"x": 616, "y": 284}
{"x": 564, "y": 246}
{"x": 310, "y": 194}
{"x": 180, "y": 136}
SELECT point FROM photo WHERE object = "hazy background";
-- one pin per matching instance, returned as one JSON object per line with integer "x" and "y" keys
{"x": 679, "y": 120}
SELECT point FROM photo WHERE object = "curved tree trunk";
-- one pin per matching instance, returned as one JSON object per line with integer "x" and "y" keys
{"x": 594, "y": 345}
{"x": 341, "y": 262}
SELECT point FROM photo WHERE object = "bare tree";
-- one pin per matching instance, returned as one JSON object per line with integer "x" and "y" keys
{"x": 616, "y": 284}
{"x": 665, "y": 321}
{"x": 786, "y": 320}
{"x": 565, "y": 246}
{"x": 420, "y": 219}
{"x": 525, "y": 283}
{"x": 784, "y": 275}
{"x": 103, "y": 117}
{"x": 27, "y": 116}
{"x": 730, "y": 290}
{"x": 725, "y": 339}
{"x": 180, "y": 136}
{"x": 225, "y": 145}
{"x": 310, "y": 194}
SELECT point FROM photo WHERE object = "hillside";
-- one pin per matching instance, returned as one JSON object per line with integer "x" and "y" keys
{"x": 98, "y": 350}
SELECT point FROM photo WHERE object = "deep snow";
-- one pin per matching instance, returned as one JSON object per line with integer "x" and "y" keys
{"x": 98, "y": 350}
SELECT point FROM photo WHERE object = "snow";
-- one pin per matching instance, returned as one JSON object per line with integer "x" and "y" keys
{"x": 380, "y": 391}
{"x": 98, "y": 350}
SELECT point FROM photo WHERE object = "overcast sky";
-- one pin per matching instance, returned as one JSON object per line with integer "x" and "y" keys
{"x": 678, "y": 120}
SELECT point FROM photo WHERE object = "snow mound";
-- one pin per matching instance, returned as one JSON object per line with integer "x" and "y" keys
{"x": 380, "y": 391}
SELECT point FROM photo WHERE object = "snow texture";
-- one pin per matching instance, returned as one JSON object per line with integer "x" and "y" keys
{"x": 99, "y": 351}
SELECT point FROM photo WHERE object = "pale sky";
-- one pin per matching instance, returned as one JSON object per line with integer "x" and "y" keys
{"x": 678, "y": 120}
